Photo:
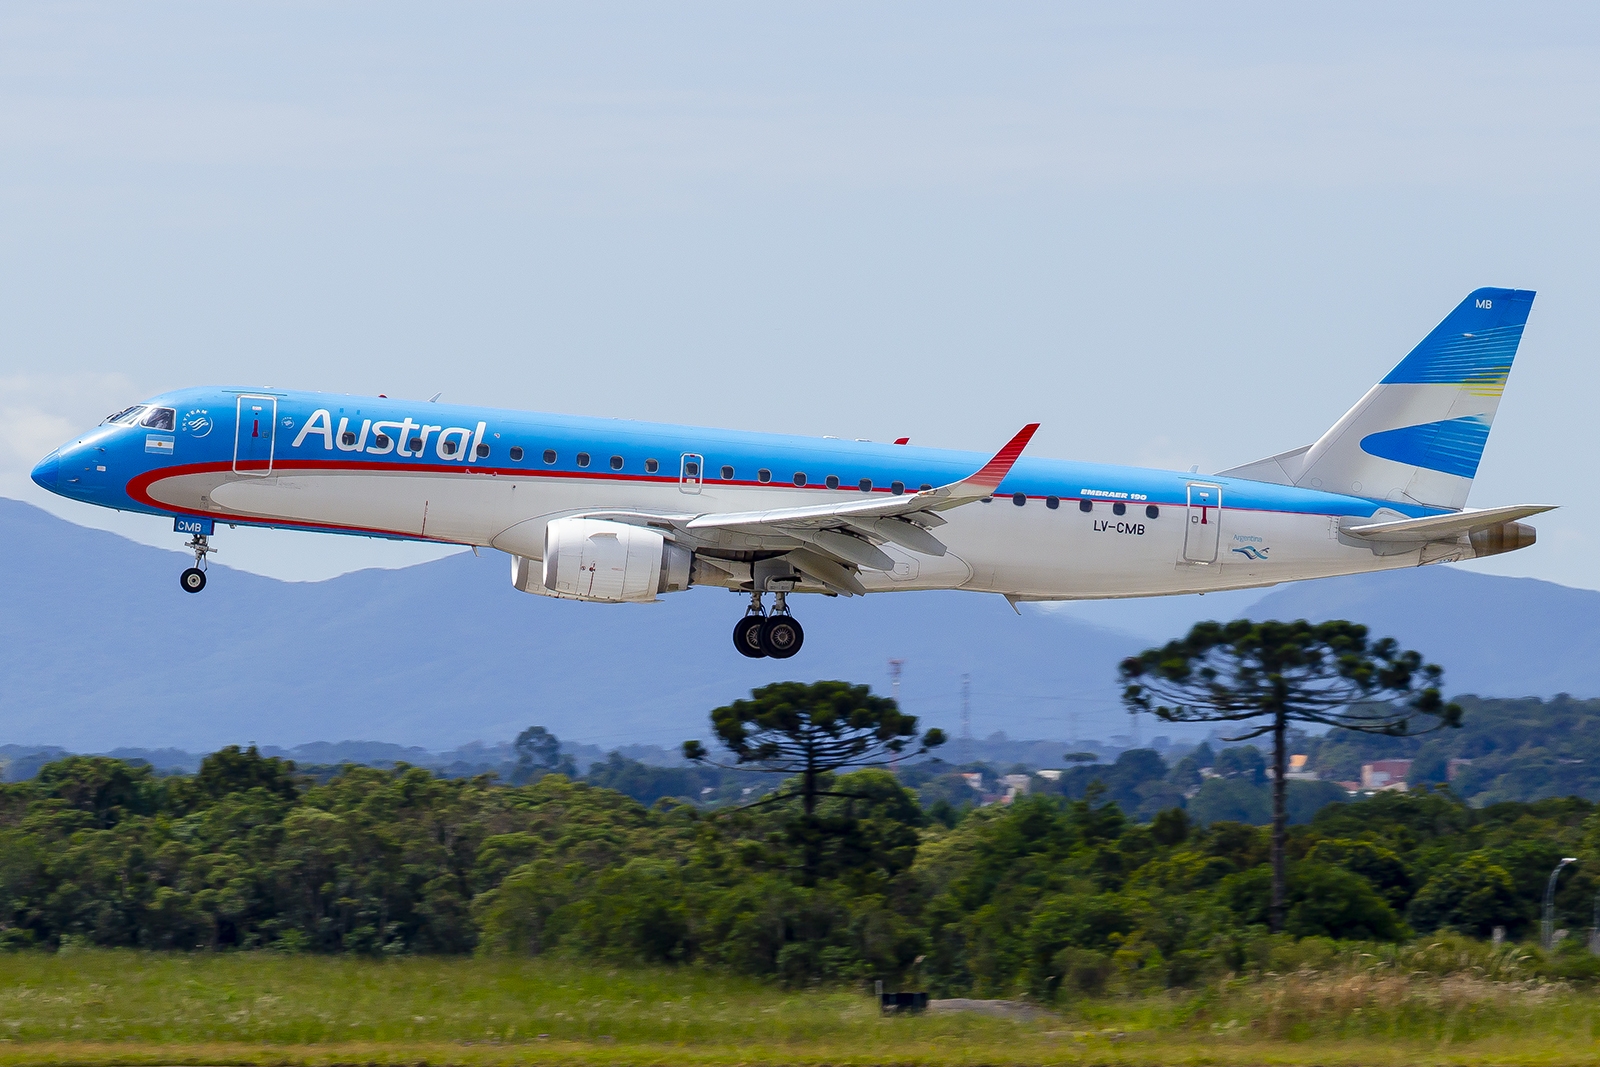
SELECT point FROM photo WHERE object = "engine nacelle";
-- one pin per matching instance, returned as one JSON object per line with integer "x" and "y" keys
{"x": 606, "y": 562}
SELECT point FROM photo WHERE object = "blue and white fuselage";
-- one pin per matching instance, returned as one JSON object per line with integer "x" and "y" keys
{"x": 614, "y": 511}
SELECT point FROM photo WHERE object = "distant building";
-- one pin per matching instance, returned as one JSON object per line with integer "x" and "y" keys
{"x": 974, "y": 780}
{"x": 1050, "y": 776}
{"x": 1385, "y": 774}
{"x": 1014, "y": 785}
{"x": 1453, "y": 768}
{"x": 1297, "y": 770}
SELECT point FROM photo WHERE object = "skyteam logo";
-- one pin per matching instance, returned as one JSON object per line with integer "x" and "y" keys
{"x": 197, "y": 423}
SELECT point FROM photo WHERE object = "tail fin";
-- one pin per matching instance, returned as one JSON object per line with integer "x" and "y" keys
{"x": 1417, "y": 436}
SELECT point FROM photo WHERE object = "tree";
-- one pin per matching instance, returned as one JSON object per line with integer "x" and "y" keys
{"x": 1326, "y": 674}
{"x": 810, "y": 729}
{"x": 538, "y": 754}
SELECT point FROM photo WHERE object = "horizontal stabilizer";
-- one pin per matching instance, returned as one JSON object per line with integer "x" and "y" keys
{"x": 1443, "y": 527}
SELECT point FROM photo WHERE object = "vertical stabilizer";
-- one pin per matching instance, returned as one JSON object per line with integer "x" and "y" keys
{"x": 1417, "y": 436}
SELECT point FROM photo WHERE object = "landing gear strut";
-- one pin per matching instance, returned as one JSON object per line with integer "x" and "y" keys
{"x": 777, "y": 635}
{"x": 193, "y": 579}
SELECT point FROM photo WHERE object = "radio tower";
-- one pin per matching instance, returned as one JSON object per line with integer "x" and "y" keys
{"x": 966, "y": 719}
{"x": 894, "y": 690}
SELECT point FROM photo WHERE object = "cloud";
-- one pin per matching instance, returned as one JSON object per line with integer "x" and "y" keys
{"x": 38, "y": 412}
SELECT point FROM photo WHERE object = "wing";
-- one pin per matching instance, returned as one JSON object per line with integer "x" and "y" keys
{"x": 841, "y": 529}
{"x": 830, "y": 542}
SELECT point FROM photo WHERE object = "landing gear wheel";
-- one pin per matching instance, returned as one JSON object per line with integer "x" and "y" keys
{"x": 193, "y": 580}
{"x": 747, "y": 636}
{"x": 781, "y": 636}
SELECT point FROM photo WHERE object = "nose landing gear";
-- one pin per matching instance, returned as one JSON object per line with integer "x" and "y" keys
{"x": 777, "y": 635}
{"x": 193, "y": 579}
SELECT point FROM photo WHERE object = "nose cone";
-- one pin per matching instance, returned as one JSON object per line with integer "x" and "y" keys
{"x": 48, "y": 473}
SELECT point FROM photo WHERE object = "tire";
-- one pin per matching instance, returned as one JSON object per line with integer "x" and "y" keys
{"x": 747, "y": 636}
{"x": 193, "y": 580}
{"x": 781, "y": 637}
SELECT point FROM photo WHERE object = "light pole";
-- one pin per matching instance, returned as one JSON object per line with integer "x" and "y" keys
{"x": 1547, "y": 925}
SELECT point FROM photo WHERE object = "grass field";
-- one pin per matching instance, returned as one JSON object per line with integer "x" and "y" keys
{"x": 99, "y": 1007}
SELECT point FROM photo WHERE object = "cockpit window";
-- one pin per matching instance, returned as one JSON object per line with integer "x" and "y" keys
{"x": 159, "y": 419}
{"x": 126, "y": 416}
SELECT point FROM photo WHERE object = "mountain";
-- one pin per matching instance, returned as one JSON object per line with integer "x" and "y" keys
{"x": 99, "y": 648}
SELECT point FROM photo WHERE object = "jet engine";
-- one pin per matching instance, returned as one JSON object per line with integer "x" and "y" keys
{"x": 602, "y": 561}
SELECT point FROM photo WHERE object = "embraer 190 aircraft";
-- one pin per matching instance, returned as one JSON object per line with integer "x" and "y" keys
{"x": 611, "y": 511}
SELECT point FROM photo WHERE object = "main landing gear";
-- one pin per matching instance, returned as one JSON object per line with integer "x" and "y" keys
{"x": 193, "y": 579}
{"x": 777, "y": 635}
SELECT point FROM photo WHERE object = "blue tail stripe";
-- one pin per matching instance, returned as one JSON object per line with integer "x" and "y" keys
{"x": 1475, "y": 343}
{"x": 1452, "y": 447}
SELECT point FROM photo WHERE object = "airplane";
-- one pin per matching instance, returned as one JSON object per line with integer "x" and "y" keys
{"x": 612, "y": 511}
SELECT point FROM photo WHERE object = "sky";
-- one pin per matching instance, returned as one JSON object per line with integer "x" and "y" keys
{"x": 1174, "y": 234}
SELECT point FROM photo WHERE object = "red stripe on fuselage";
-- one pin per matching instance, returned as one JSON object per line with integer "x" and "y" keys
{"x": 139, "y": 489}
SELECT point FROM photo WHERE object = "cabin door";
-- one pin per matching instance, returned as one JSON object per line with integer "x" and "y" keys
{"x": 253, "y": 435}
{"x": 1201, "y": 537}
{"x": 691, "y": 470}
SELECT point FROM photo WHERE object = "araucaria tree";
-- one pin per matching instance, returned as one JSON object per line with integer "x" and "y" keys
{"x": 1269, "y": 674}
{"x": 811, "y": 729}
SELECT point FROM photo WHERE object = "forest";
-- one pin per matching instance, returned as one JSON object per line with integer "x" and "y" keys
{"x": 1045, "y": 894}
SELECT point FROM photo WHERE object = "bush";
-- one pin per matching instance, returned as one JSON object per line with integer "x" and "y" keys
{"x": 1474, "y": 897}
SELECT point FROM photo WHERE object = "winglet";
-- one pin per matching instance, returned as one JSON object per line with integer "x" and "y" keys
{"x": 994, "y": 471}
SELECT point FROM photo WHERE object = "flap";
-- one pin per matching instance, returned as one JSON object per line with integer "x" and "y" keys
{"x": 976, "y": 486}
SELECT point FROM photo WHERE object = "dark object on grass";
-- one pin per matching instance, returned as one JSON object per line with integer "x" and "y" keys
{"x": 900, "y": 1003}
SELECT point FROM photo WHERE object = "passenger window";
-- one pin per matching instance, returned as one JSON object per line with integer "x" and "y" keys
{"x": 583, "y": 459}
{"x": 866, "y": 485}
{"x": 1019, "y": 499}
{"x": 1086, "y": 505}
{"x": 348, "y": 437}
{"x": 448, "y": 447}
{"x": 1119, "y": 508}
{"x": 924, "y": 487}
{"x": 159, "y": 419}
{"x": 832, "y": 481}
{"x": 691, "y": 469}
{"x": 382, "y": 441}
{"x": 483, "y": 451}
{"x": 799, "y": 478}
{"x": 763, "y": 475}
{"x": 1152, "y": 512}
{"x": 651, "y": 466}
{"x": 549, "y": 455}
{"x": 516, "y": 453}
{"x": 616, "y": 463}
{"x": 897, "y": 488}
{"x": 1052, "y": 502}
{"x": 727, "y": 474}
{"x": 415, "y": 444}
